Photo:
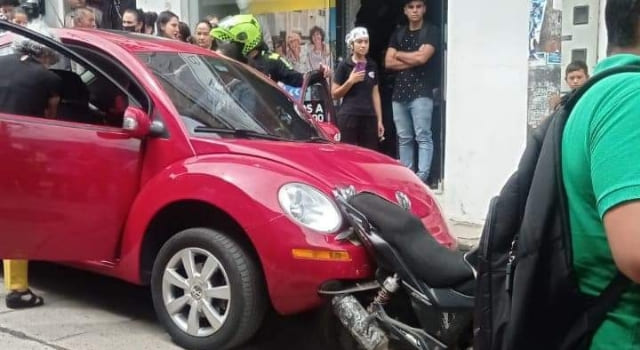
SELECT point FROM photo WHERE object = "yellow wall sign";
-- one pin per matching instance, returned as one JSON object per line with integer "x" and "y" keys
{"x": 270, "y": 6}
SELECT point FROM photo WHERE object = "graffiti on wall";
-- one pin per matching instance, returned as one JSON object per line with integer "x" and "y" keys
{"x": 545, "y": 70}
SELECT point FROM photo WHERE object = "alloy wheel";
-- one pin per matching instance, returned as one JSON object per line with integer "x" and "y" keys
{"x": 196, "y": 292}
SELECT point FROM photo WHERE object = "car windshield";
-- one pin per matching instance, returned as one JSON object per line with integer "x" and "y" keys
{"x": 214, "y": 95}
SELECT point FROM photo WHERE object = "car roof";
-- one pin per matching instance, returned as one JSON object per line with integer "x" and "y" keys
{"x": 131, "y": 42}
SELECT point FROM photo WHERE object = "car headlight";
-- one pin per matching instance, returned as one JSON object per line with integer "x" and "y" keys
{"x": 310, "y": 207}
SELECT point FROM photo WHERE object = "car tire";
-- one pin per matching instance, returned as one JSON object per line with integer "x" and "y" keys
{"x": 208, "y": 292}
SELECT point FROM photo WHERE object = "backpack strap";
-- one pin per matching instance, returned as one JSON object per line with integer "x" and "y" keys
{"x": 424, "y": 32}
{"x": 581, "y": 333}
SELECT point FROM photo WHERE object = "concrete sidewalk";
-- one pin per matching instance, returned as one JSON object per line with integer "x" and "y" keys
{"x": 83, "y": 312}
{"x": 467, "y": 234}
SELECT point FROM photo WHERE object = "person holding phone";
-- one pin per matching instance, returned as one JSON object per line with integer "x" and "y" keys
{"x": 356, "y": 83}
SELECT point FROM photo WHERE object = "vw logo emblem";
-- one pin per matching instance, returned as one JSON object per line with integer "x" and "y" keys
{"x": 403, "y": 200}
{"x": 197, "y": 292}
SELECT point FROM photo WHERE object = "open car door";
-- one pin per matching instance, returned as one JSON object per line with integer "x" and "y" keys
{"x": 66, "y": 185}
{"x": 316, "y": 97}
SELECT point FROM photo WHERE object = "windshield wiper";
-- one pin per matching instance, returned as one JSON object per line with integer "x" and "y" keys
{"x": 244, "y": 133}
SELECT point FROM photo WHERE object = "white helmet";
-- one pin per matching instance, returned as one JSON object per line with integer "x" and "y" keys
{"x": 355, "y": 34}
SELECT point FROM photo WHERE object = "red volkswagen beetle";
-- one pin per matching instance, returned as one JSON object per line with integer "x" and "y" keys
{"x": 173, "y": 167}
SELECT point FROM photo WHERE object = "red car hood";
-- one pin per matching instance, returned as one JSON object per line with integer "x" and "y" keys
{"x": 332, "y": 164}
{"x": 339, "y": 165}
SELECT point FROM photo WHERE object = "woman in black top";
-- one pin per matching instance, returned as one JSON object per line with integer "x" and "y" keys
{"x": 356, "y": 82}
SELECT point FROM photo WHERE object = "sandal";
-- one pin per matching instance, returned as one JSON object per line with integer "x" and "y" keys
{"x": 22, "y": 300}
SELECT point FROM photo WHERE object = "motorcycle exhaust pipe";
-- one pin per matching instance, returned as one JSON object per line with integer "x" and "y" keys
{"x": 360, "y": 323}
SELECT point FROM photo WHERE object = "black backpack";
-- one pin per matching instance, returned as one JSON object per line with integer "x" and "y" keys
{"x": 527, "y": 294}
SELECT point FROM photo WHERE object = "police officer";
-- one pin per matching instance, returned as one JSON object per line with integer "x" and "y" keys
{"x": 240, "y": 37}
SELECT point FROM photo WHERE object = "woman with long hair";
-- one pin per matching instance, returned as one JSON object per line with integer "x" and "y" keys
{"x": 168, "y": 25}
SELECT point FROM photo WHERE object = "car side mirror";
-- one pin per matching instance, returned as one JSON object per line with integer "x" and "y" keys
{"x": 331, "y": 131}
{"x": 136, "y": 123}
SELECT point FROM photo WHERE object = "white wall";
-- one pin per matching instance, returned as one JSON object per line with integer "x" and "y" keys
{"x": 583, "y": 36}
{"x": 603, "y": 40}
{"x": 486, "y": 102}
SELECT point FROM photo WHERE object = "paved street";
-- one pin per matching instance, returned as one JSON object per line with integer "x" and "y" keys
{"x": 85, "y": 311}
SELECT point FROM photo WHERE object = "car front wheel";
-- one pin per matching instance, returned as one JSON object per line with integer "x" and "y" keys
{"x": 207, "y": 291}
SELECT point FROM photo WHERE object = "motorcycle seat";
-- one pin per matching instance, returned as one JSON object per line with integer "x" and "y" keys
{"x": 432, "y": 263}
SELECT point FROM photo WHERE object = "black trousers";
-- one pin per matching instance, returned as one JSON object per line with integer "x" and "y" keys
{"x": 359, "y": 130}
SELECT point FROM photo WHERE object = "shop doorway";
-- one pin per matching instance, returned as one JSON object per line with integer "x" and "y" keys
{"x": 381, "y": 17}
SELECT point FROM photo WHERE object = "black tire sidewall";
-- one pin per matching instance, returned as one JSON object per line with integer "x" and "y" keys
{"x": 244, "y": 281}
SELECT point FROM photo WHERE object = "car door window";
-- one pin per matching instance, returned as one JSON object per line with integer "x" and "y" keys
{"x": 85, "y": 96}
{"x": 107, "y": 63}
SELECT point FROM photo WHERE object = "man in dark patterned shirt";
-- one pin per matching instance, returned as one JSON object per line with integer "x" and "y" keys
{"x": 410, "y": 51}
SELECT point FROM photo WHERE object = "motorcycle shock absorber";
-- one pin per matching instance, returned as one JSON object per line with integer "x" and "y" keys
{"x": 389, "y": 286}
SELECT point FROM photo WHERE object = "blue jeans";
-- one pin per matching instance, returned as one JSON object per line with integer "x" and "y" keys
{"x": 413, "y": 125}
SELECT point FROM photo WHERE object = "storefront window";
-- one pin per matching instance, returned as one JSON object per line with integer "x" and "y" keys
{"x": 301, "y": 31}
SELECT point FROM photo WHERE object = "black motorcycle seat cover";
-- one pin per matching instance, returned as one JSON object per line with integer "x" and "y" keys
{"x": 434, "y": 264}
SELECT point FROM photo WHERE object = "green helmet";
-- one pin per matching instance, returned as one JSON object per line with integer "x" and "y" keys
{"x": 244, "y": 29}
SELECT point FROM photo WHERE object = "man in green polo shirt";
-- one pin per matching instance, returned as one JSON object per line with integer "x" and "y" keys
{"x": 601, "y": 171}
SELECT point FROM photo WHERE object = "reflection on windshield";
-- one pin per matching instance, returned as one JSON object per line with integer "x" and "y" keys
{"x": 216, "y": 93}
